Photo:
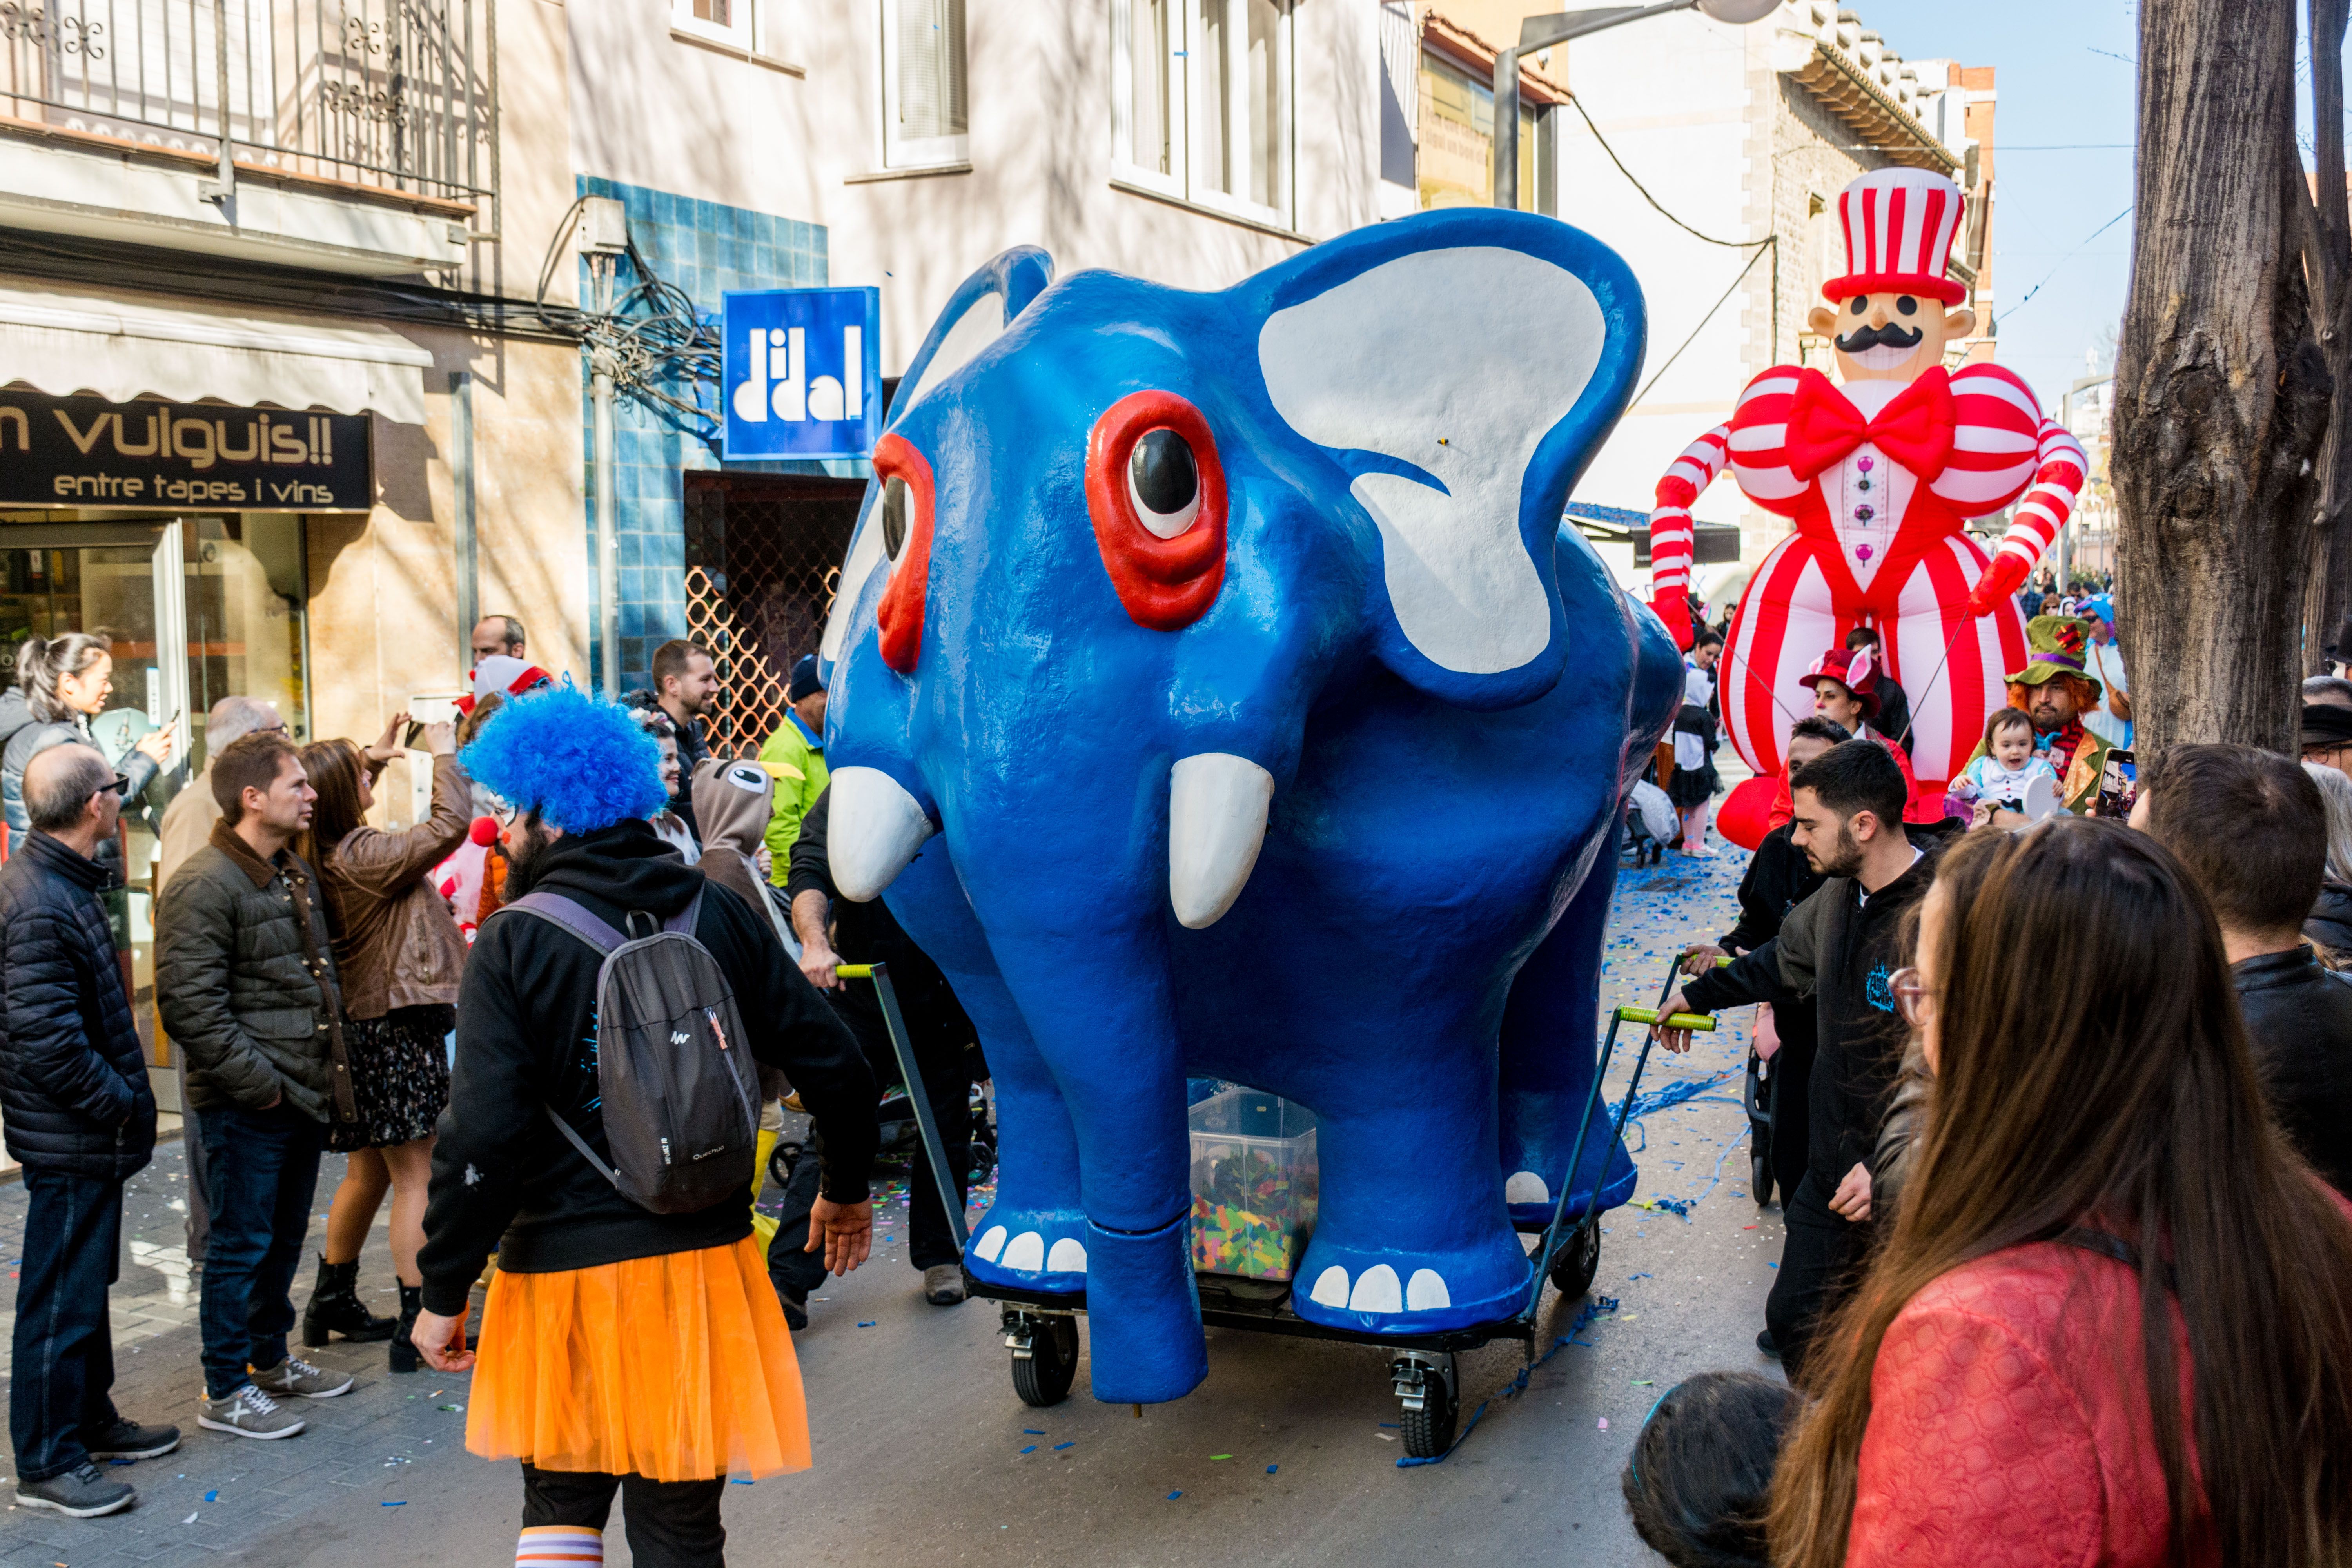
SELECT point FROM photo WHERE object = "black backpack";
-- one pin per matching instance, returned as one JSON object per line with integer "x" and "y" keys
{"x": 679, "y": 1088}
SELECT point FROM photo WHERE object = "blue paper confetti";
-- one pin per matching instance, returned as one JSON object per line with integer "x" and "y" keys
{"x": 1059, "y": 1447}
{"x": 402, "y": 1503}
{"x": 1030, "y": 1432}
{"x": 211, "y": 1497}
{"x": 1174, "y": 1496}
{"x": 738, "y": 1482}
{"x": 1270, "y": 1468}
{"x": 867, "y": 1323}
{"x": 1629, "y": 1277}
{"x": 1030, "y": 1449}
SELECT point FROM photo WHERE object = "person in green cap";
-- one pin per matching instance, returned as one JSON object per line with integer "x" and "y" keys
{"x": 2056, "y": 690}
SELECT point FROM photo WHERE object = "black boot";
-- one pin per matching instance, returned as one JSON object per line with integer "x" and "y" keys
{"x": 335, "y": 1308}
{"x": 404, "y": 1349}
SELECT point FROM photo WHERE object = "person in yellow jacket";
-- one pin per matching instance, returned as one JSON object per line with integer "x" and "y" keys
{"x": 794, "y": 757}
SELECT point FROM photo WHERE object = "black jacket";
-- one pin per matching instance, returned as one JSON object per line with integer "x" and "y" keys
{"x": 504, "y": 1179}
{"x": 1778, "y": 879}
{"x": 1841, "y": 949}
{"x": 73, "y": 1083}
{"x": 2330, "y": 921}
{"x": 245, "y": 977}
{"x": 2299, "y": 1021}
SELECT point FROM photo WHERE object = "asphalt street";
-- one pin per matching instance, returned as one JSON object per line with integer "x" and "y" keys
{"x": 923, "y": 1454}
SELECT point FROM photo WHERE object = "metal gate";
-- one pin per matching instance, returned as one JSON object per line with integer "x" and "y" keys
{"x": 763, "y": 555}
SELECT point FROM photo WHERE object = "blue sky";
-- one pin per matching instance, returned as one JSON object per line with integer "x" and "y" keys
{"x": 2066, "y": 84}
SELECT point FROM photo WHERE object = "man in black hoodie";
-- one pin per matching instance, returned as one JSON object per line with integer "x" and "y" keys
{"x": 582, "y": 1267}
{"x": 1841, "y": 946}
{"x": 1778, "y": 879}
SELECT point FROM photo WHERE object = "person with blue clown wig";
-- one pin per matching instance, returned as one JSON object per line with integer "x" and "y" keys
{"x": 621, "y": 1349}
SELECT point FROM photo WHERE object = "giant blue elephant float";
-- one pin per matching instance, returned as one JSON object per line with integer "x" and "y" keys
{"x": 1216, "y": 693}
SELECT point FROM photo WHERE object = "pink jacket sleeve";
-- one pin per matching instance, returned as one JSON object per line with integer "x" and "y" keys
{"x": 1978, "y": 1454}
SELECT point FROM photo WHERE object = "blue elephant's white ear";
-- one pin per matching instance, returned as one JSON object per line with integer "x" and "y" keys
{"x": 1461, "y": 368}
{"x": 975, "y": 316}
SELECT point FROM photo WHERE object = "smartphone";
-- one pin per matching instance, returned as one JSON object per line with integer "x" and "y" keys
{"x": 408, "y": 740}
{"x": 2118, "y": 785}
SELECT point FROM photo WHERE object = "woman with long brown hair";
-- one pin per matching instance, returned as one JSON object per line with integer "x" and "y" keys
{"x": 400, "y": 954}
{"x": 2112, "y": 1323}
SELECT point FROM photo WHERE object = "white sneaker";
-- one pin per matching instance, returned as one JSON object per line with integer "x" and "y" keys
{"x": 248, "y": 1412}
{"x": 295, "y": 1375}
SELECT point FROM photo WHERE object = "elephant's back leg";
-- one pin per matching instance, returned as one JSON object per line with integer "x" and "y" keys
{"x": 1548, "y": 1050}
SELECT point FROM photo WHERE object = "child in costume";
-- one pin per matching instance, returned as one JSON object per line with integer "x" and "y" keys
{"x": 1998, "y": 777}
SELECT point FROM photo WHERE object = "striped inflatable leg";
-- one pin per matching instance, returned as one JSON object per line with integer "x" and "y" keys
{"x": 1787, "y": 618}
{"x": 1953, "y": 666}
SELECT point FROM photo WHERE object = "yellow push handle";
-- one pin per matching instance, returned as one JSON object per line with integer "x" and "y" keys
{"x": 1701, "y": 1022}
{"x": 854, "y": 971}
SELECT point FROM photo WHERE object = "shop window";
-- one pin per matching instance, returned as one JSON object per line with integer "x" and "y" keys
{"x": 1200, "y": 101}
{"x": 247, "y": 617}
{"x": 925, "y": 108}
{"x": 1456, "y": 161}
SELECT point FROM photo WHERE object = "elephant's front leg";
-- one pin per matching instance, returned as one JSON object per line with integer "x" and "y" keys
{"x": 1548, "y": 1060}
{"x": 1099, "y": 1011}
{"x": 1413, "y": 1236}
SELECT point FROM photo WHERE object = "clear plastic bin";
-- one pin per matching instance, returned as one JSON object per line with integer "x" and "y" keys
{"x": 1255, "y": 1183}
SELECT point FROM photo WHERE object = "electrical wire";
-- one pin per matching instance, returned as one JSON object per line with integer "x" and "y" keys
{"x": 651, "y": 338}
{"x": 1703, "y": 320}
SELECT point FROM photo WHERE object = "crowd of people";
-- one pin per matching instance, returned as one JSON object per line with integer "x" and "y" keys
{"x": 329, "y": 986}
{"x": 2063, "y": 1128}
{"x": 2017, "y": 1032}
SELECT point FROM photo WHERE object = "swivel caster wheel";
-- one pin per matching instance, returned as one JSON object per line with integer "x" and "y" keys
{"x": 1045, "y": 1347}
{"x": 1760, "y": 1174}
{"x": 1432, "y": 1400}
{"x": 1577, "y": 1261}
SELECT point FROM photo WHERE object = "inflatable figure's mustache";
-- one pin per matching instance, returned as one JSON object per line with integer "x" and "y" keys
{"x": 1888, "y": 336}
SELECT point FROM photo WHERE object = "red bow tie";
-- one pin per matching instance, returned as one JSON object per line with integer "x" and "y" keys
{"x": 1916, "y": 429}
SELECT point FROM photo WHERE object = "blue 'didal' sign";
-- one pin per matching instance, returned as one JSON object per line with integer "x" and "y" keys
{"x": 801, "y": 372}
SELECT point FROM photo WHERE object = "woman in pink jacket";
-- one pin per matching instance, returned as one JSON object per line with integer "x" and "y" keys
{"x": 2114, "y": 1322}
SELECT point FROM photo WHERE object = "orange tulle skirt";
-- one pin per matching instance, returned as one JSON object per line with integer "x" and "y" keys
{"x": 674, "y": 1368}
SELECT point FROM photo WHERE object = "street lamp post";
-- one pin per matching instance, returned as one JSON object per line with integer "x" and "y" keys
{"x": 1543, "y": 32}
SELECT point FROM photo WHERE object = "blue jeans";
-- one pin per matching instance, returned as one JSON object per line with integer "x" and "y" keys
{"x": 59, "y": 1391}
{"x": 263, "y": 1172}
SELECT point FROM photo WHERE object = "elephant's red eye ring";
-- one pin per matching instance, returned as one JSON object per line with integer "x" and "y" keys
{"x": 906, "y": 523}
{"x": 1156, "y": 491}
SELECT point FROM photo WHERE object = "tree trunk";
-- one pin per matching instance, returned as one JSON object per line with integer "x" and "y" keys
{"x": 2327, "y": 271}
{"x": 2223, "y": 393}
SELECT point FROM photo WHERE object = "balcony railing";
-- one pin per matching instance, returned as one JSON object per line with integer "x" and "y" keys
{"x": 398, "y": 95}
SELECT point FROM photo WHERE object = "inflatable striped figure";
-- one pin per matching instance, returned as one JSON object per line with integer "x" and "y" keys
{"x": 1879, "y": 472}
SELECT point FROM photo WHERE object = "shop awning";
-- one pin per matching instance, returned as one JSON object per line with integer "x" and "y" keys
{"x": 125, "y": 346}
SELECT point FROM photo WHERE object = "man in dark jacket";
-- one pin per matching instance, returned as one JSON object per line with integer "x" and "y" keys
{"x": 834, "y": 931}
{"x": 1840, "y": 946}
{"x": 245, "y": 975}
{"x": 1778, "y": 879}
{"x": 505, "y": 1177}
{"x": 1893, "y": 719}
{"x": 2252, "y": 830}
{"x": 80, "y": 1120}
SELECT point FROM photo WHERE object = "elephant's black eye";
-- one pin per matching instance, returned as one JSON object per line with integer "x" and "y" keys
{"x": 894, "y": 517}
{"x": 1907, "y": 305}
{"x": 1165, "y": 482}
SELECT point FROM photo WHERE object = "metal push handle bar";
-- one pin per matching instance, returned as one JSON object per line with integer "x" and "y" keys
{"x": 917, "y": 1093}
{"x": 1702, "y": 1023}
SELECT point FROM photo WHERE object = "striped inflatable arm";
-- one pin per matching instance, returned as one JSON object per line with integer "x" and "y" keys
{"x": 1670, "y": 534}
{"x": 2042, "y": 512}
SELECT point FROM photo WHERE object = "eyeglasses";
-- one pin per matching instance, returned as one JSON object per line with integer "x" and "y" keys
{"x": 1912, "y": 999}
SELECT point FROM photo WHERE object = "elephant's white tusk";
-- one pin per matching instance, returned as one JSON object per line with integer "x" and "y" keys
{"x": 876, "y": 827}
{"x": 1216, "y": 824}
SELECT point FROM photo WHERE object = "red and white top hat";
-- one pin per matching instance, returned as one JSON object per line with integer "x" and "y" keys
{"x": 1899, "y": 225}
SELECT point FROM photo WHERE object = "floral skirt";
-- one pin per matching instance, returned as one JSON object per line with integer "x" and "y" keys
{"x": 400, "y": 1077}
{"x": 676, "y": 1368}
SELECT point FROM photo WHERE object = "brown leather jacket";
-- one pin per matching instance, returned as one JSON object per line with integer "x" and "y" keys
{"x": 396, "y": 943}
